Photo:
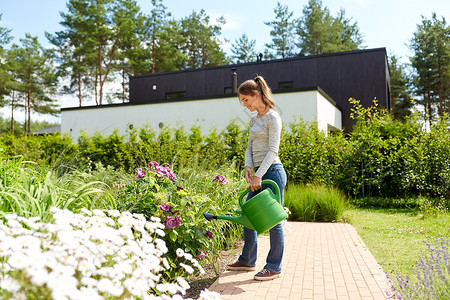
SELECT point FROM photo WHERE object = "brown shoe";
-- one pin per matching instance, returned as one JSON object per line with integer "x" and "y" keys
{"x": 238, "y": 266}
{"x": 265, "y": 274}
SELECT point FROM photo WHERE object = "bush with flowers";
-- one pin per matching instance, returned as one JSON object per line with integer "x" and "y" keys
{"x": 92, "y": 255}
{"x": 154, "y": 193}
{"x": 147, "y": 189}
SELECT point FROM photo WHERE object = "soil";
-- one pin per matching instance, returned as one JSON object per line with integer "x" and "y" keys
{"x": 204, "y": 281}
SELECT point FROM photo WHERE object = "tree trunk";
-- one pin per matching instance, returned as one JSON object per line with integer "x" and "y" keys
{"x": 123, "y": 86}
{"x": 430, "y": 117}
{"x": 79, "y": 82}
{"x": 154, "y": 58}
{"x": 29, "y": 112}
{"x": 100, "y": 70}
{"x": 12, "y": 113}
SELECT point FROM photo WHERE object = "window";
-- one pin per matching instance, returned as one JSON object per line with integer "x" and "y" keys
{"x": 228, "y": 90}
{"x": 175, "y": 95}
{"x": 285, "y": 85}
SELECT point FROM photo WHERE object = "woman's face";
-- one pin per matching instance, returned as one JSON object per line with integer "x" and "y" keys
{"x": 252, "y": 102}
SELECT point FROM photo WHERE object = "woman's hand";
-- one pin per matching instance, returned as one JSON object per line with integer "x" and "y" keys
{"x": 255, "y": 184}
{"x": 248, "y": 174}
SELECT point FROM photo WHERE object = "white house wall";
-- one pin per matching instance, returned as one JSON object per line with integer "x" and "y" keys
{"x": 309, "y": 105}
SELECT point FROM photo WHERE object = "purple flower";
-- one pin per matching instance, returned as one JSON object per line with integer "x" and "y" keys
{"x": 209, "y": 234}
{"x": 152, "y": 164}
{"x": 221, "y": 179}
{"x": 165, "y": 207}
{"x": 162, "y": 171}
{"x": 202, "y": 254}
{"x": 172, "y": 222}
{"x": 140, "y": 173}
{"x": 179, "y": 188}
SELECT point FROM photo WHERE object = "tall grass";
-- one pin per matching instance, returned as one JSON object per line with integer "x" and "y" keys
{"x": 31, "y": 191}
{"x": 315, "y": 202}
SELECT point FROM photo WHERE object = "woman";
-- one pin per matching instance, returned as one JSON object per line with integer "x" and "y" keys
{"x": 262, "y": 157}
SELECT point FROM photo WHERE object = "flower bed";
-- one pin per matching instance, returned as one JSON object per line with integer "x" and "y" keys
{"x": 91, "y": 256}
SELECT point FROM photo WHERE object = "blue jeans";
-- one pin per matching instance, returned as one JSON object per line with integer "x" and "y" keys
{"x": 248, "y": 256}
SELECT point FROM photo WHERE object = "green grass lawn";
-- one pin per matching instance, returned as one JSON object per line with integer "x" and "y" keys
{"x": 396, "y": 236}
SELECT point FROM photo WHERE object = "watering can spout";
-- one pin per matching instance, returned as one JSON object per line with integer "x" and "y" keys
{"x": 243, "y": 220}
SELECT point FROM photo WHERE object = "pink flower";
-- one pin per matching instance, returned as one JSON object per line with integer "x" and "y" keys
{"x": 172, "y": 222}
{"x": 221, "y": 179}
{"x": 140, "y": 173}
{"x": 152, "y": 164}
{"x": 165, "y": 207}
{"x": 202, "y": 254}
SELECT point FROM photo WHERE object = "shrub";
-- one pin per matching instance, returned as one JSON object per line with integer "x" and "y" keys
{"x": 314, "y": 202}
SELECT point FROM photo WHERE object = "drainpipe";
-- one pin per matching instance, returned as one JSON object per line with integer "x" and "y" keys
{"x": 234, "y": 80}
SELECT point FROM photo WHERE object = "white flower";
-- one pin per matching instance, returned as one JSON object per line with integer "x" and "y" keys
{"x": 38, "y": 276}
{"x": 133, "y": 287}
{"x": 114, "y": 213}
{"x": 107, "y": 248}
{"x": 188, "y": 269}
{"x": 89, "y": 293}
{"x": 183, "y": 283}
{"x": 179, "y": 252}
{"x": 160, "y": 232}
{"x": 13, "y": 223}
{"x": 167, "y": 287}
{"x": 105, "y": 284}
{"x": 161, "y": 245}
{"x": 9, "y": 284}
{"x": 89, "y": 282}
{"x": 86, "y": 212}
{"x": 11, "y": 217}
{"x": 98, "y": 212}
{"x": 209, "y": 295}
{"x": 19, "y": 261}
{"x": 166, "y": 263}
{"x": 188, "y": 256}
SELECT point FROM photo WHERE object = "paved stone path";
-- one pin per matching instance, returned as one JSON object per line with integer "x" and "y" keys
{"x": 321, "y": 261}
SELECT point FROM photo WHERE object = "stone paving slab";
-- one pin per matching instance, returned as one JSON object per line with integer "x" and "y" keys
{"x": 321, "y": 261}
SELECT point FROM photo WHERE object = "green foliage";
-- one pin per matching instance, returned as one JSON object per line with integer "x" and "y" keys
{"x": 431, "y": 77}
{"x": 243, "y": 49}
{"x": 401, "y": 96}
{"x": 30, "y": 191}
{"x": 319, "y": 32}
{"x": 315, "y": 202}
{"x": 282, "y": 33}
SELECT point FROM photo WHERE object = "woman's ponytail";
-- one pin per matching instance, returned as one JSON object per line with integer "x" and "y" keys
{"x": 258, "y": 85}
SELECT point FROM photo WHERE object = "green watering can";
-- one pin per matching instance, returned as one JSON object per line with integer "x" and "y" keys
{"x": 261, "y": 212}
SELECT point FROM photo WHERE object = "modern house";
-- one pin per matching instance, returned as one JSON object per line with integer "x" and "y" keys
{"x": 314, "y": 88}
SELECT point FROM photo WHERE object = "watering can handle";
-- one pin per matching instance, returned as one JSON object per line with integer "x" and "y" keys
{"x": 271, "y": 182}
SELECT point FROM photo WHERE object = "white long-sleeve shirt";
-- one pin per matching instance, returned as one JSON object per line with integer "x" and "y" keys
{"x": 263, "y": 142}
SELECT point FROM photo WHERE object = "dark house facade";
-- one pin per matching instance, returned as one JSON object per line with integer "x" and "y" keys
{"x": 360, "y": 74}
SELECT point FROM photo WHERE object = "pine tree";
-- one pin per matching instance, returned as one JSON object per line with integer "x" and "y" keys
{"x": 202, "y": 46}
{"x": 132, "y": 58}
{"x": 5, "y": 78}
{"x": 35, "y": 77}
{"x": 431, "y": 62}
{"x": 243, "y": 50}
{"x": 282, "y": 33}
{"x": 165, "y": 40}
{"x": 319, "y": 32}
{"x": 401, "y": 96}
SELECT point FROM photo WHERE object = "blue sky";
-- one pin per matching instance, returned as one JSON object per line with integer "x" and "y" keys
{"x": 383, "y": 23}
